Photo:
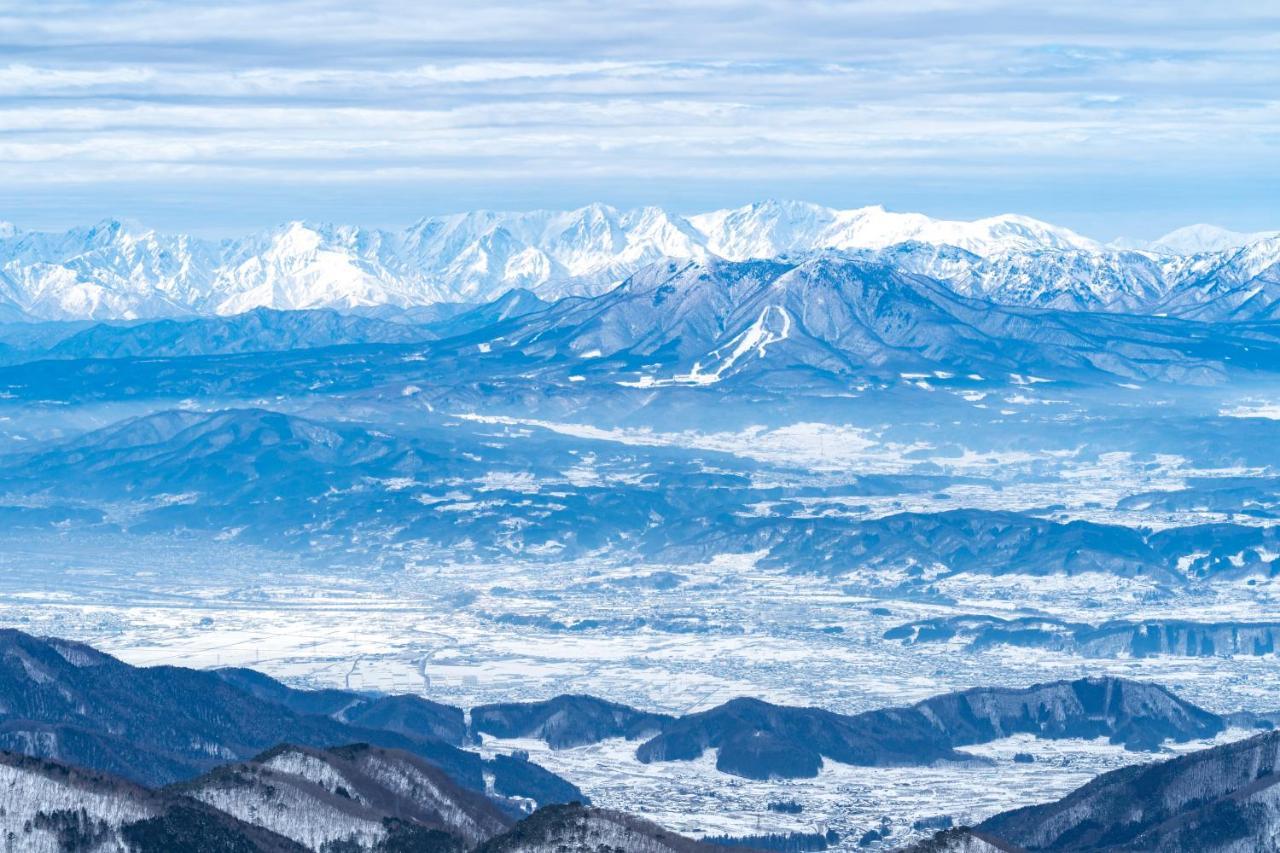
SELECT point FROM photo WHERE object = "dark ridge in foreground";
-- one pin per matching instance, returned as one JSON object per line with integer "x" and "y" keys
{"x": 54, "y": 806}
{"x": 355, "y": 794}
{"x": 1212, "y": 801}
{"x": 158, "y": 725}
{"x": 403, "y": 788}
{"x": 575, "y": 828}
{"x": 164, "y": 724}
{"x": 354, "y": 799}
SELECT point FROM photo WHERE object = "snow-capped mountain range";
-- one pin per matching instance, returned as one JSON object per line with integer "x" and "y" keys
{"x": 117, "y": 271}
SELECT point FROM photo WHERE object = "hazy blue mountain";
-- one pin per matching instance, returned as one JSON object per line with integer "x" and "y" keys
{"x": 259, "y": 330}
{"x": 967, "y": 540}
{"x": 1146, "y": 638}
{"x": 566, "y": 721}
{"x": 1249, "y": 496}
{"x": 705, "y": 322}
{"x": 287, "y": 480}
{"x": 508, "y": 307}
{"x": 805, "y": 333}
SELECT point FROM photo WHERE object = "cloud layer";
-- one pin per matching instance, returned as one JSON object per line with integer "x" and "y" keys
{"x": 1104, "y": 114}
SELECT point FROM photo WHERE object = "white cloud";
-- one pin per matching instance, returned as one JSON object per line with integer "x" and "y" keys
{"x": 331, "y": 90}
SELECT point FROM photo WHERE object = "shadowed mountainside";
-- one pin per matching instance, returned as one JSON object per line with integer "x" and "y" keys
{"x": 1212, "y": 801}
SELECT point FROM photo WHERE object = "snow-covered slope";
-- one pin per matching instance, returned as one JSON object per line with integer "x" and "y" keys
{"x": 1199, "y": 239}
{"x": 1238, "y": 284}
{"x": 1224, "y": 800}
{"x": 356, "y": 795}
{"x": 773, "y": 228}
{"x": 109, "y": 270}
{"x": 574, "y": 828}
{"x": 699, "y": 323}
{"x": 115, "y": 270}
{"x": 48, "y": 807}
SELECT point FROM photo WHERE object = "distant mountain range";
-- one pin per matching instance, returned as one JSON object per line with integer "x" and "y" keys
{"x": 827, "y": 318}
{"x": 112, "y": 270}
{"x": 702, "y": 322}
{"x": 1145, "y": 638}
{"x": 757, "y": 740}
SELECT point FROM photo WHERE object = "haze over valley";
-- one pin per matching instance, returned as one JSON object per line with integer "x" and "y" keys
{"x": 764, "y": 455}
{"x": 562, "y": 427}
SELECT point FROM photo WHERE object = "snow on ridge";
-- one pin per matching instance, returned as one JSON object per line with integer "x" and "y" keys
{"x": 1202, "y": 238}
{"x": 26, "y": 792}
{"x": 116, "y": 270}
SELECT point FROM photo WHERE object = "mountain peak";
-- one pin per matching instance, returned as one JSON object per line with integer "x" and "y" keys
{"x": 1201, "y": 238}
{"x": 117, "y": 270}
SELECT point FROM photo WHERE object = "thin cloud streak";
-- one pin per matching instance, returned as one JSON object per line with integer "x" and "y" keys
{"x": 704, "y": 99}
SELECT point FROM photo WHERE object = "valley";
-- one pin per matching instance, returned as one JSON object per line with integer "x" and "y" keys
{"x": 825, "y": 481}
{"x": 475, "y": 633}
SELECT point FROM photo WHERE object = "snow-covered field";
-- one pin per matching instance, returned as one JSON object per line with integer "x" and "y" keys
{"x": 469, "y": 634}
{"x": 355, "y": 604}
{"x": 692, "y": 797}
{"x": 675, "y": 638}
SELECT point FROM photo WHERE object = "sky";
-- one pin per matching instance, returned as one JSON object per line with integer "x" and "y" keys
{"x": 1113, "y": 118}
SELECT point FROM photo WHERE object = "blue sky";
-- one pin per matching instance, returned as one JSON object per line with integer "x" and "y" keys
{"x": 1113, "y": 118}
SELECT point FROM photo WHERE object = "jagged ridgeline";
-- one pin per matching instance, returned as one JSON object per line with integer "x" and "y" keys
{"x": 160, "y": 725}
{"x": 113, "y": 270}
{"x": 699, "y": 322}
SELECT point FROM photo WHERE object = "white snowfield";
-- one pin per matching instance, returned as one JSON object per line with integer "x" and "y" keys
{"x": 318, "y": 799}
{"x": 114, "y": 270}
{"x": 772, "y": 326}
{"x": 303, "y": 804}
{"x": 26, "y": 794}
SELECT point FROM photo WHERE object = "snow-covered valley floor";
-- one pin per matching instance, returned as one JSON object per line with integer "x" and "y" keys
{"x": 661, "y": 637}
